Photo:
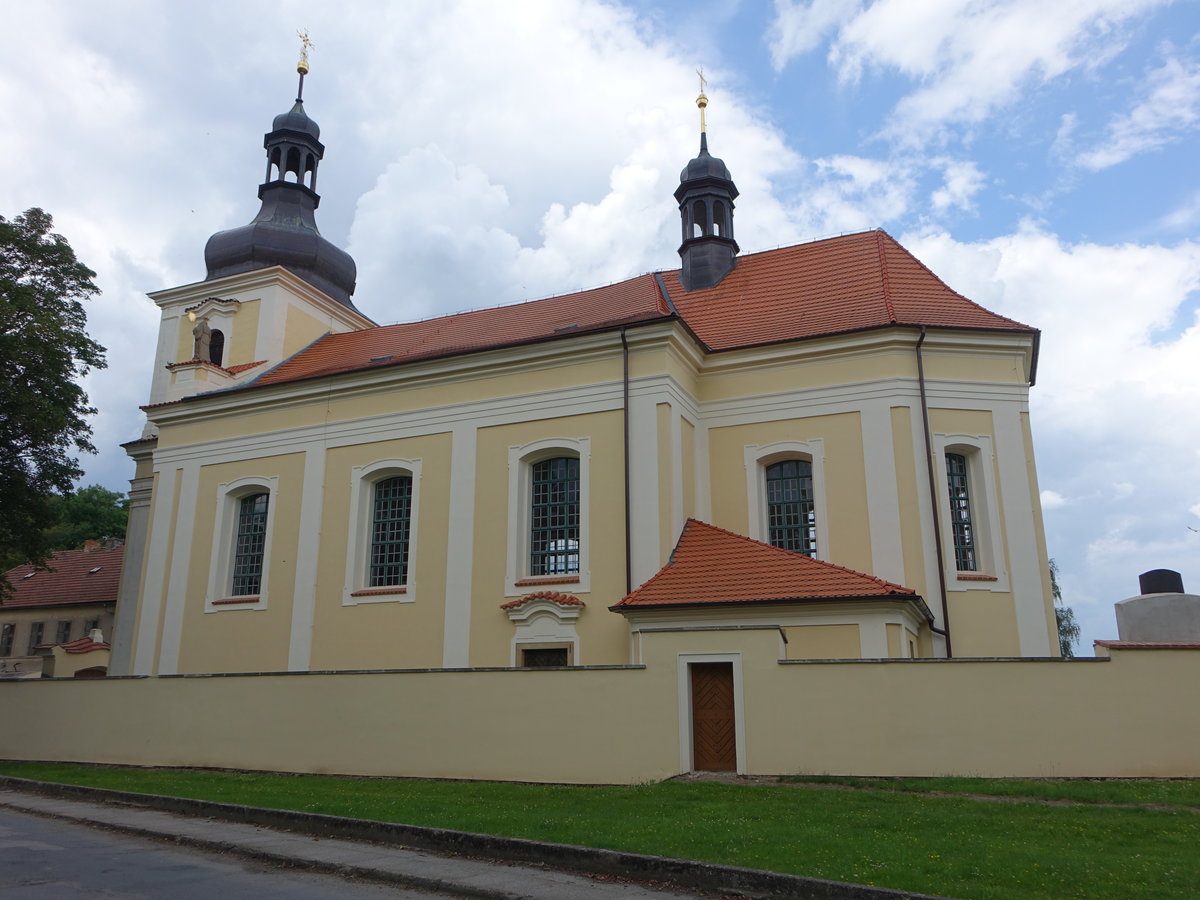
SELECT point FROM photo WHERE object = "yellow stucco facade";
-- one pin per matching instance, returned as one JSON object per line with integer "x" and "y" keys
{"x": 686, "y": 433}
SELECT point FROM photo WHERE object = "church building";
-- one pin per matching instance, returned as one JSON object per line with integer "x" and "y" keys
{"x": 824, "y": 440}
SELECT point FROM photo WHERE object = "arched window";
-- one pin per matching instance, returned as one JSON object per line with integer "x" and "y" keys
{"x": 699, "y": 219}
{"x": 390, "y": 525}
{"x": 554, "y": 517}
{"x": 791, "y": 512}
{"x": 958, "y": 483}
{"x": 216, "y": 346}
{"x": 249, "y": 545}
{"x": 719, "y": 226}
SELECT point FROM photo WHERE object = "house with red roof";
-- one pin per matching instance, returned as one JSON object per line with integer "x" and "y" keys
{"x": 54, "y": 622}
{"x": 824, "y": 441}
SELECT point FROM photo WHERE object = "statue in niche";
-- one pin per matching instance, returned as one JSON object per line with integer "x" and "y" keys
{"x": 202, "y": 337}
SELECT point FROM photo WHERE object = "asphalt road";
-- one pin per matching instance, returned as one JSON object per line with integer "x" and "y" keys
{"x": 48, "y": 859}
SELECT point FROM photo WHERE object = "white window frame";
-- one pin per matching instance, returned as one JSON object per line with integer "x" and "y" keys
{"x": 358, "y": 550}
{"x": 990, "y": 572}
{"x": 544, "y": 623}
{"x": 220, "y": 570}
{"x": 520, "y": 465}
{"x": 757, "y": 458}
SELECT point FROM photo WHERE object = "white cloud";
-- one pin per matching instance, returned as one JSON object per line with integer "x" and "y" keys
{"x": 799, "y": 26}
{"x": 1171, "y": 106}
{"x": 1053, "y": 500}
{"x": 967, "y": 58}
{"x": 963, "y": 181}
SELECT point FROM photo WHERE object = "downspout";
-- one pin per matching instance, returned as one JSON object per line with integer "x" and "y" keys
{"x": 625, "y": 436}
{"x": 933, "y": 501}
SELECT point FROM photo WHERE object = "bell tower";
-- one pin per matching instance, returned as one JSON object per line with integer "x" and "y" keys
{"x": 706, "y": 193}
{"x": 284, "y": 233}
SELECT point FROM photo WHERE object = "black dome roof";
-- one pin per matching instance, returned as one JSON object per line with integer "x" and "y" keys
{"x": 705, "y": 165}
{"x": 296, "y": 119}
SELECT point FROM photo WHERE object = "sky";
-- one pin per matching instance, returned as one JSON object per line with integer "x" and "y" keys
{"x": 1041, "y": 157}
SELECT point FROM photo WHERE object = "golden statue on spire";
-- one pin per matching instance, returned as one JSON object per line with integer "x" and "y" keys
{"x": 305, "y": 46}
{"x": 702, "y": 100}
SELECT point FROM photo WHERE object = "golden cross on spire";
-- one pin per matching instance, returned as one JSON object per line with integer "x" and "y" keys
{"x": 305, "y": 46}
{"x": 702, "y": 100}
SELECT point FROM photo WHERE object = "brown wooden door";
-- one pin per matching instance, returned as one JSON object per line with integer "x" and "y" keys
{"x": 714, "y": 734}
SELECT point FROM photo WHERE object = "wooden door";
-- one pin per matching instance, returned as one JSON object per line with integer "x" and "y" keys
{"x": 714, "y": 734}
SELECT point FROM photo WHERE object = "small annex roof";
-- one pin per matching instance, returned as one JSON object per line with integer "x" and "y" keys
{"x": 714, "y": 567}
{"x": 73, "y": 577}
{"x": 84, "y": 645}
{"x": 854, "y": 282}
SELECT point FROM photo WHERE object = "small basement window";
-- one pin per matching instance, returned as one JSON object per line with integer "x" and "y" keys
{"x": 545, "y": 657}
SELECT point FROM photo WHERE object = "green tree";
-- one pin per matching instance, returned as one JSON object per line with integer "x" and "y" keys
{"x": 1068, "y": 628}
{"x": 90, "y": 513}
{"x": 44, "y": 352}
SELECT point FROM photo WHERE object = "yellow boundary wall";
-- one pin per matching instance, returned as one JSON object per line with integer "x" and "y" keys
{"x": 1132, "y": 715}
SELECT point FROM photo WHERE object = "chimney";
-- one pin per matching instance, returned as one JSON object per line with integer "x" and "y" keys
{"x": 1161, "y": 613}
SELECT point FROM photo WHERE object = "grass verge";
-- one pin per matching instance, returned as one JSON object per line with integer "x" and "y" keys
{"x": 955, "y": 846}
{"x": 1183, "y": 792}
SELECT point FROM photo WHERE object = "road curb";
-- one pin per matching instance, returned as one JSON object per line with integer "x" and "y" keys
{"x": 564, "y": 857}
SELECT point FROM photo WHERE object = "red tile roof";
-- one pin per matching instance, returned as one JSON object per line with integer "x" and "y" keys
{"x": 848, "y": 283}
{"x": 555, "y": 596}
{"x": 84, "y": 645}
{"x": 635, "y": 300}
{"x": 72, "y": 580}
{"x": 1149, "y": 645}
{"x": 712, "y": 566}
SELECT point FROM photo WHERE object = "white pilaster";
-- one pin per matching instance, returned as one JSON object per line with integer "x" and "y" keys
{"x": 181, "y": 552}
{"x": 456, "y": 636}
{"x": 883, "y": 497}
{"x": 308, "y": 549}
{"x": 1020, "y": 521}
{"x": 643, "y": 487}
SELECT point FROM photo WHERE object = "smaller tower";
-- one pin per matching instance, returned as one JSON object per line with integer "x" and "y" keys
{"x": 284, "y": 233}
{"x": 706, "y": 193}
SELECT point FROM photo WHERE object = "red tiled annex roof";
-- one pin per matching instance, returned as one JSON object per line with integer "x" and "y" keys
{"x": 72, "y": 580}
{"x": 710, "y": 565}
{"x": 635, "y": 300}
{"x": 555, "y": 596}
{"x": 848, "y": 283}
{"x": 84, "y": 645}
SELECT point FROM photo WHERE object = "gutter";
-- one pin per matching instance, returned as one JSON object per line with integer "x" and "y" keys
{"x": 625, "y": 439}
{"x": 944, "y": 631}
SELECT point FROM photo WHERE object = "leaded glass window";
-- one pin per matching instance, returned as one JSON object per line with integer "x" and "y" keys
{"x": 791, "y": 514}
{"x": 390, "y": 525}
{"x": 250, "y": 544}
{"x": 960, "y": 512}
{"x": 554, "y": 519}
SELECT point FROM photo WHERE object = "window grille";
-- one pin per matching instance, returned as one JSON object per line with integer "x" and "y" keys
{"x": 554, "y": 528}
{"x": 960, "y": 513}
{"x": 390, "y": 527}
{"x": 791, "y": 514}
{"x": 251, "y": 540}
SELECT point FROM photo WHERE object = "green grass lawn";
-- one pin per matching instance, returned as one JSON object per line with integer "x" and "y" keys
{"x": 901, "y": 833}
